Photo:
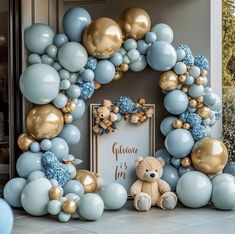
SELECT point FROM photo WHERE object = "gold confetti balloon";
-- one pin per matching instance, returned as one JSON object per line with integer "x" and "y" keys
{"x": 88, "y": 180}
{"x": 168, "y": 81}
{"x": 209, "y": 155}
{"x": 24, "y": 141}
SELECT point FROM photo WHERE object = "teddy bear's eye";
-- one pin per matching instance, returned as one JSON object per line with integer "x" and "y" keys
{"x": 156, "y": 170}
{"x": 147, "y": 170}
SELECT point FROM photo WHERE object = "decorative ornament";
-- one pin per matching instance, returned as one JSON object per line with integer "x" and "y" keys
{"x": 168, "y": 81}
{"x": 87, "y": 90}
{"x": 24, "y": 141}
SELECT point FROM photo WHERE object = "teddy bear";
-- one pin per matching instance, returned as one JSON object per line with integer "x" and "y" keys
{"x": 150, "y": 190}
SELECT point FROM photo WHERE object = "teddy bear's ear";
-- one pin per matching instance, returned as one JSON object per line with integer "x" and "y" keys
{"x": 138, "y": 160}
{"x": 161, "y": 160}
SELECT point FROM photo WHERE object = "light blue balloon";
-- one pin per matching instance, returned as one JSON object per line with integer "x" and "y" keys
{"x": 163, "y": 32}
{"x": 208, "y": 131}
{"x": 64, "y": 217}
{"x": 223, "y": 196}
{"x": 176, "y": 162}
{"x": 133, "y": 55}
{"x": 45, "y": 144}
{"x": 208, "y": 90}
{"x": 6, "y": 218}
{"x": 87, "y": 75}
{"x": 104, "y": 72}
{"x": 38, "y": 37}
{"x": 171, "y": 176}
{"x": 40, "y": 83}
{"x": 204, "y": 81}
{"x": 114, "y": 196}
{"x": 179, "y": 143}
{"x": 166, "y": 125}
{"x": 71, "y": 134}
{"x": 194, "y": 189}
{"x": 34, "y": 175}
{"x": 162, "y": 153}
{"x": 74, "y": 91}
{"x": 56, "y": 66}
{"x": 126, "y": 59}
{"x": 189, "y": 80}
{"x": 196, "y": 91}
{"x": 209, "y": 99}
{"x": 28, "y": 162}
{"x": 13, "y": 190}
{"x": 60, "y": 39}
{"x": 60, "y": 100}
{"x": 150, "y": 37}
{"x": 74, "y": 22}
{"x": 34, "y": 58}
{"x": 184, "y": 170}
{"x": 72, "y": 170}
{"x": 161, "y": 56}
{"x": 138, "y": 65}
{"x": 221, "y": 178}
{"x": 180, "y": 68}
{"x": 64, "y": 74}
{"x": 180, "y": 55}
{"x": 194, "y": 71}
{"x": 59, "y": 148}
{"x": 65, "y": 84}
{"x": 230, "y": 168}
{"x": 142, "y": 46}
{"x": 35, "y": 147}
{"x": 80, "y": 109}
{"x": 91, "y": 207}
{"x": 130, "y": 44}
{"x": 73, "y": 186}
{"x": 206, "y": 122}
{"x": 54, "y": 207}
{"x": 47, "y": 59}
{"x": 217, "y": 105}
{"x": 116, "y": 59}
{"x": 35, "y": 197}
{"x": 122, "y": 51}
{"x": 51, "y": 51}
{"x": 192, "y": 109}
{"x": 176, "y": 102}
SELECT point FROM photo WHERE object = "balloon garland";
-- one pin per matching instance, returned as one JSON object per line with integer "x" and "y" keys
{"x": 65, "y": 69}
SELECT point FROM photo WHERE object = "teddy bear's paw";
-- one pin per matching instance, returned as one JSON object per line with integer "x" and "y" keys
{"x": 142, "y": 202}
{"x": 169, "y": 201}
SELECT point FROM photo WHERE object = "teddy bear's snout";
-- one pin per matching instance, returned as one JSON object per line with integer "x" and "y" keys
{"x": 152, "y": 175}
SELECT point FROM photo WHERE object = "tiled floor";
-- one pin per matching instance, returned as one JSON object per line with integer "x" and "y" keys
{"x": 179, "y": 221}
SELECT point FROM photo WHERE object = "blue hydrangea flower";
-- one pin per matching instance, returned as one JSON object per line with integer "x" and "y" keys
{"x": 87, "y": 90}
{"x": 91, "y": 63}
{"x": 199, "y": 132}
{"x": 202, "y": 62}
{"x": 48, "y": 159}
{"x": 183, "y": 116}
{"x": 125, "y": 104}
{"x": 188, "y": 59}
{"x": 194, "y": 119}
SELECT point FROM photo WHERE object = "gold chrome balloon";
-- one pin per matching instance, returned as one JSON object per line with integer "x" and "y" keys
{"x": 193, "y": 103}
{"x": 204, "y": 112}
{"x": 124, "y": 67}
{"x": 182, "y": 78}
{"x": 200, "y": 99}
{"x": 185, "y": 88}
{"x": 68, "y": 118}
{"x": 199, "y": 80}
{"x": 168, "y": 81}
{"x": 71, "y": 106}
{"x": 69, "y": 206}
{"x": 24, "y": 141}
{"x": 55, "y": 193}
{"x": 177, "y": 123}
{"x": 102, "y": 38}
{"x": 186, "y": 162}
{"x": 209, "y": 155}
{"x": 134, "y": 23}
{"x": 118, "y": 75}
{"x": 44, "y": 121}
{"x": 186, "y": 126}
{"x": 88, "y": 180}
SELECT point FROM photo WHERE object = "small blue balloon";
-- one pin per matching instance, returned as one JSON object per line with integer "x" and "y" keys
{"x": 6, "y": 217}
{"x": 35, "y": 147}
{"x": 126, "y": 59}
{"x": 162, "y": 153}
{"x": 180, "y": 55}
{"x": 51, "y": 51}
{"x": 74, "y": 22}
{"x": 204, "y": 81}
{"x": 45, "y": 144}
{"x": 180, "y": 68}
{"x": 116, "y": 59}
{"x": 171, "y": 176}
{"x": 194, "y": 71}
{"x": 60, "y": 39}
{"x": 192, "y": 109}
{"x": 208, "y": 90}
{"x": 176, "y": 162}
{"x": 166, "y": 125}
{"x": 189, "y": 80}
{"x": 133, "y": 55}
{"x": 13, "y": 190}
{"x": 34, "y": 58}
{"x": 230, "y": 168}
{"x": 87, "y": 75}
{"x": 161, "y": 56}
{"x": 104, "y": 72}
{"x": 73, "y": 78}
{"x": 176, "y": 102}
{"x": 60, "y": 100}
{"x": 209, "y": 99}
{"x": 79, "y": 111}
{"x": 64, "y": 74}
{"x": 150, "y": 37}
{"x": 74, "y": 91}
{"x": 208, "y": 131}
{"x": 221, "y": 178}
{"x": 138, "y": 65}
{"x": 71, "y": 134}
{"x": 142, "y": 46}
{"x": 184, "y": 170}
{"x": 59, "y": 148}
{"x": 130, "y": 44}
{"x": 179, "y": 143}
{"x": 196, "y": 91}
{"x": 73, "y": 186}
{"x": 65, "y": 84}
{"x": 54, "y": 207}
{"x": 47, "y": 59}
{"x": 64, "y": 217}
{"x": 122, "y": 51}
{"x": 163, "y": 32}
{"x": 56, "y": 66}
{"x": 34, "y": 175}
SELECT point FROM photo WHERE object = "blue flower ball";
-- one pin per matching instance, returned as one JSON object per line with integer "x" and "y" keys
{"x": 199, "y": 132}
{"x": 48, "y": 159}
{"x": 202, "y": 62}
{"x": 125, "y": 104}
{"x": 188, "y": 58}
{"x": 183, "y": 116}
{"x": 194, "y": 119}
{"x": 87, "y": 90}
{"x": 91, "y": 63}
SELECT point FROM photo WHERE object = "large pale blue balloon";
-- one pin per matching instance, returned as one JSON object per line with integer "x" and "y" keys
{"x": 28, "y": 162}
{"x": 71, "y": 134}
{"x": 60, "y": 100}
{"x": 179, "y": 143}
{"x": 196, "y": 91}
{"x": 161, "y": 56}
{"x": 38, "y": 37}
{"x": 163, "y": 32}
{"x": 171, "y": 176}
{"x": 74, "y": 22}
{"x": 35, "y": 197}
{"x": 166, "y": 125}
{"x": 138, "y": 65}
{"x": 194, "y": 189}
{"x": 59, "y": 148}
{"x": 230, "y": 168}
{"x": 104, "y": 72}
{"x": 176, "y": 102}
{"x": 60, "y": 39}
{"x": 224, "y": 177}
{"x": 13, "y": 190}
{"x": 73, "y": 186}
{"x": 80, "y": 109}
{"x": 91, "y": 206}
{"x": 72, "y": 56}
{"x": 40, "y": 83}
{"x": 6, "y": 217}
{"x": 34, "y": 175}
{"x": 54, "y": 207}
{"x": 114, "y": 196}
{"x": 184, "y": 170}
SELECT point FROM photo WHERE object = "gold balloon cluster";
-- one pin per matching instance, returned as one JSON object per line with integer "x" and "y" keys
{"x": 69, "y": 107}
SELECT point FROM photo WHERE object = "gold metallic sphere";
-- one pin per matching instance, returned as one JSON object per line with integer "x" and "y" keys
{"x": 186, "y": 162}
{"x": 71, "y": 106}
{"x": 203, "y": 73}
{"x": 141, "y": 100}
{"x": 193, "y": 103}
{"x": 69, "y": 206}
{"x": 200, "y": 105}
{"x": 65, "y": 110}
{"x": 177, "y": 123}
{"x": 200, "y": 99}
{"x": 185, "y": 88}
{"x": 209, "y": 155}
{"x": 118, "y": 75}
{"x": 97, "y": 85}
{"x": 199, "y": 80}
{"x": 186, "y": 126}
{"x": 204, "y": 112}
{"x": 55, "y": 193}
{"x": 88, "y": 180}
{"x": 24, "y": 141}
{"x": 124, "y": 67}
{"x": 186, "y": 73}
{"x": 115, "y": 109}
{"x": 168, "y": 80}
{"x": 182, "y": 78}
{"x": 68, "y": 118}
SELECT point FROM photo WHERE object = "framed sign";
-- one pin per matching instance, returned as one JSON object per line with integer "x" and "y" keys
{"x": 113, "y": 155}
